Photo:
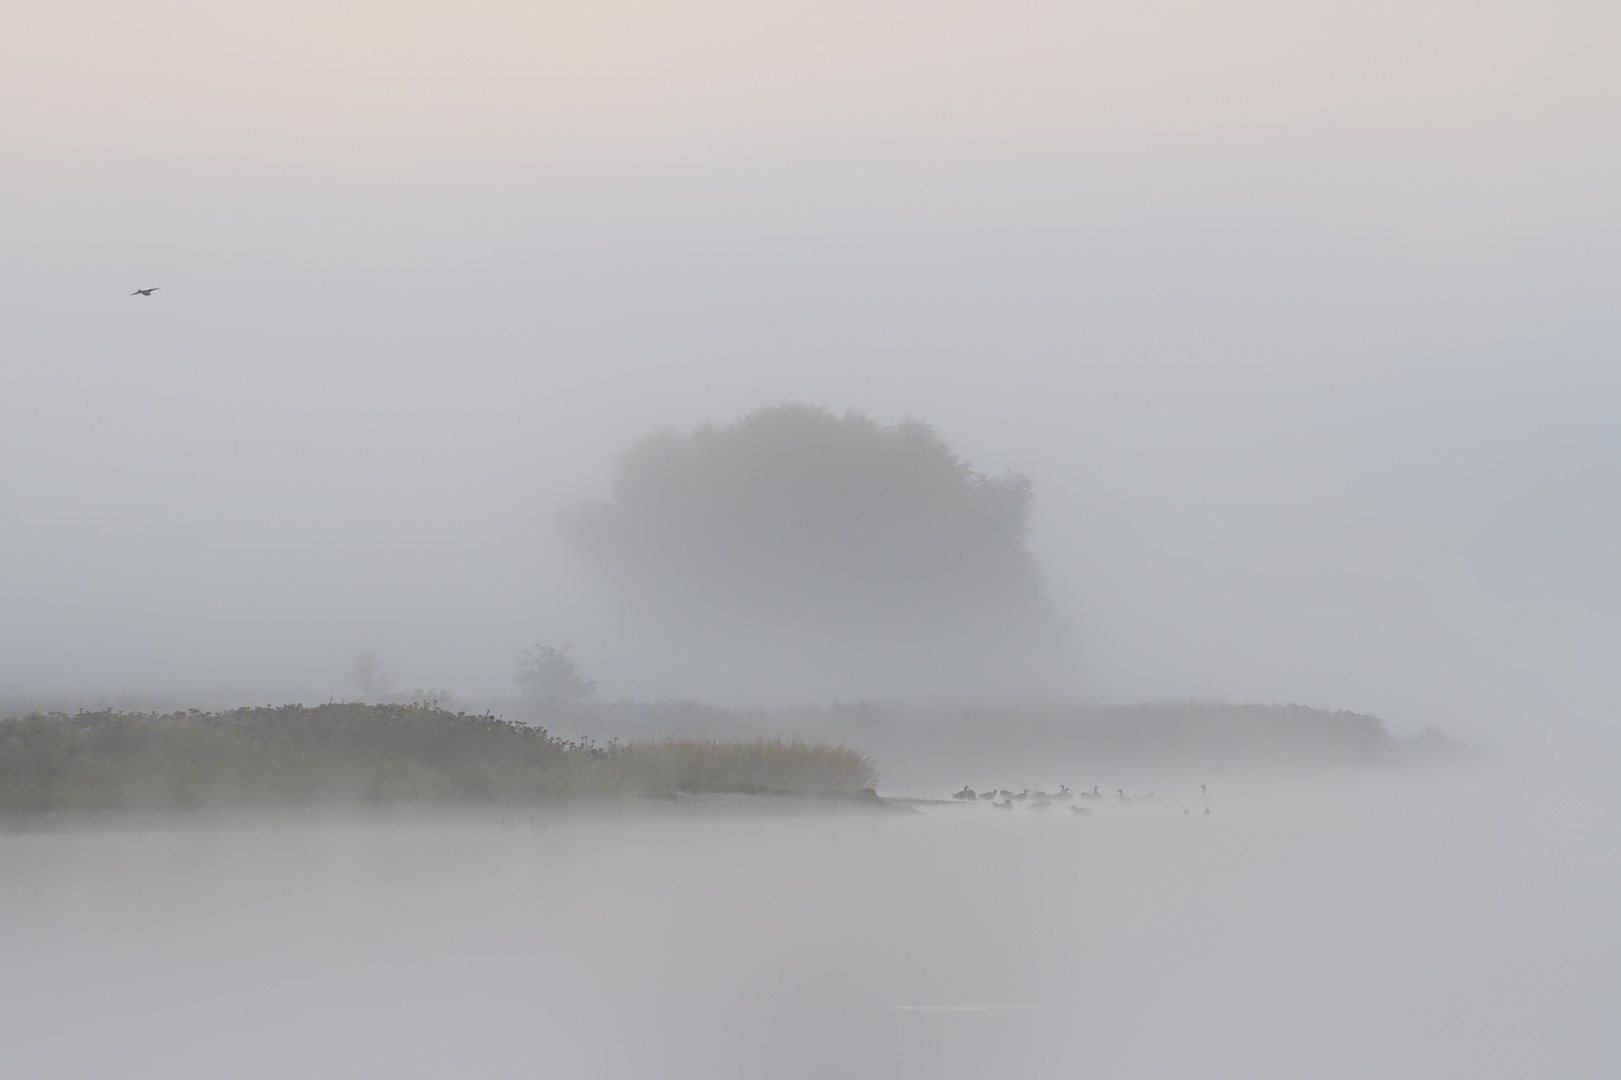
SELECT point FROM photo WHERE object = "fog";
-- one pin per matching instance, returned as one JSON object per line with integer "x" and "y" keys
{"x": 1300, "y": 327}
{"x": 1344, "y": 454}
{"x": 1267, "y": 354}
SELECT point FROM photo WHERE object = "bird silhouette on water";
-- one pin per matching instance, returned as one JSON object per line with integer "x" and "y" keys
{"x": 146, "y": 292}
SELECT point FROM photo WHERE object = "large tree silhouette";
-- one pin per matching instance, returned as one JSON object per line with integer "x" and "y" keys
{"x": 820, "y": 554}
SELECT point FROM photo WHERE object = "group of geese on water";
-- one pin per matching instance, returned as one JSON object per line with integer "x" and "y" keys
{"x": 1043, "y": 801}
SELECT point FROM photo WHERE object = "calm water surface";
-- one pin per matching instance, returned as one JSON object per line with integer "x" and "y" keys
{"x": 1429, "y": 926}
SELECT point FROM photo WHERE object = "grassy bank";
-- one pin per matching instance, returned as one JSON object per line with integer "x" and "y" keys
{"x": 375, "y": 754}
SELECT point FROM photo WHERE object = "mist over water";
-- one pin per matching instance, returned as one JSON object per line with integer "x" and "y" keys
{"x": 1137, "y": 395}
{"x": 1444, "y": 923}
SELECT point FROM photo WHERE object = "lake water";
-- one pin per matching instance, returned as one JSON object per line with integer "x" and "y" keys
{"x": 1423, "y": 925}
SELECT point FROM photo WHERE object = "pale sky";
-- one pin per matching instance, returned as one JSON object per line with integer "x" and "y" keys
{"x": 1302, "y": 318}
{"x": 298, "y": 89}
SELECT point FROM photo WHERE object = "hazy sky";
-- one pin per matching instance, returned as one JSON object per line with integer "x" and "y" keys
{"x": 1302, "y": 318}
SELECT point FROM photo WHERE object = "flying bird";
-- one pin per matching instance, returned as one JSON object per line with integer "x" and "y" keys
{"x": 146, "y": 292}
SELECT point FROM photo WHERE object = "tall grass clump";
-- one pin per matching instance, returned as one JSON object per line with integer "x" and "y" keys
{"x": 359, "y": 754}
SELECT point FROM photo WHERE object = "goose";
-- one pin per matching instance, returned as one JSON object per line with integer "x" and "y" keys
{"x": 1005, "y": 804}
{"x": 1064, "y": 792}
{"x": 1039, "y": 794}
{"x": 1080, "y": 809}
{"x": 1093, "y": 794}
{"x": 1204, "y": 793}
{"x": 965, "y": 794}
{"x": 146, "y": 292}
{"x": 1042, "y": 805}
{"x": 1121, "y": 794}
{"x": 1023, "y": 795}
{"x": 1207, "y": 811}
{"x": 1005, "y": 793}
{"x": 987, "y": 795}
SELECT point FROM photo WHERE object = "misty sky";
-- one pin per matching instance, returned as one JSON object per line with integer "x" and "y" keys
{"x": 1301, "y": 318}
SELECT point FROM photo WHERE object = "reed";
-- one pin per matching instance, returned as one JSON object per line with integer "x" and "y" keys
{"x": 369, "y": 754}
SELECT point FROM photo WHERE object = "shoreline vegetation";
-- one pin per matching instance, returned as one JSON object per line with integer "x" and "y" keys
{"x": 938, "y": 747}
{"x": 375, "y": 755}
{"x": 1159, "y": 735}
{"x": 421, "y": 753}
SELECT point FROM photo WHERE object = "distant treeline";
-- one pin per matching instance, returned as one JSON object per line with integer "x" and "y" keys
{"x": 346, "y": 754}
{"x": 919, "y": 745}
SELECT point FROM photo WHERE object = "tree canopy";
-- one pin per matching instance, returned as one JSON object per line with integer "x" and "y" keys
{"x": 801, "y": 537}
{"x": 549, "y": 674}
